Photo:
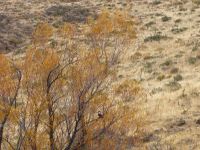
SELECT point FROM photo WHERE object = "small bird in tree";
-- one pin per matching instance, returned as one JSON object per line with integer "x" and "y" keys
{"x": 100, "y": 114}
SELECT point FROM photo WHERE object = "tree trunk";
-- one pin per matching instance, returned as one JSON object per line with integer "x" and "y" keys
{"x": 82, "y": 142}
{"x": 1, "y": 134}
{"x": 51, "y": 128}
{"x": 2, "y": 129}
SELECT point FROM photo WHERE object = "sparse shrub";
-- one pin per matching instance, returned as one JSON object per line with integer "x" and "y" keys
{"x": 182, "y": 8}
{"x": 148, "y": 67}
{"x": 158, "y": 14}
{"x": 129, "y": 90}
{"x": 177, "y": 30}
{"x": 147, "y": 57}
{"x": 161, "y": 77}
{"x": 136, "y": 56}
{"x": 178, "y": 55}
{"x": 155, "y": 37}
{"x": 167, "y": 63}
{"x": 15, "y": 42}
{"x": 156, "y": 2}
{"x": 177, "y": 20}
{"x": 192, "y": 60}
{"x": 196, "y": 46}
{"x": 178, "y": 77}
{"x": 196, "y": 2}
{"x": 173, "y": 85}
{"x": 149, "y": 24}
{"x": 165, "y": 18}
{"x": 174, "y": 70}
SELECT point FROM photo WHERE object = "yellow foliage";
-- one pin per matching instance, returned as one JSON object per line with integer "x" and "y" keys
{"x": 8, "y": 78}
{"x": 38, "y": 63}
{"x": 66, "y": 94}
{"x": 67, "y": 30}
{"x": 42, "y": 33}
{"x": 103, "y": 25}
{"x": 116, "y": 25}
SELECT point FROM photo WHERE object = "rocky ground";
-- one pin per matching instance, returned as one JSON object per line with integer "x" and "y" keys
{"x": 165, "y": 57}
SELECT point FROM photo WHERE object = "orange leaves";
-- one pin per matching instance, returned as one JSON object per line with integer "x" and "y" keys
{"x": 88, "y": 70}
{"x": 112, "y": 33}
{"x": 4, "y": 62}
{"x": 9, "y": 86}
{"x": 124, "y": 26}
{"x": 103, "y": 25}
{"x": 36, "y": 68}
{"x": 67, "y": 30}
{"x": 51, "y": 61}
{"x": 7, "y": 77}
{"x": 38, "y": 63}
{"x": 93, "y": 65}
{"x": 100, "y": 101}
{"x": 42, "y": 33}
{"x": 5, "y": 67}
{"x": 63, "y": 87}
{"x": 112, "y": 24}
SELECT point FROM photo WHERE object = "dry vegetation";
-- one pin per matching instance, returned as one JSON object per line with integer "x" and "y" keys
{"x": 60, "y": 96}
{"x": 109, "y": 74}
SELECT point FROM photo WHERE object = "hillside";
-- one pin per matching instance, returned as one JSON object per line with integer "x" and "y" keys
{"x": 165, "y": 58}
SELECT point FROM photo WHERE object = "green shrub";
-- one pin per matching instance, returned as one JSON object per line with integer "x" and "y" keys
{"x": 196, "y": 1}
{"x": 192, "y": 60}
{"x": 149, "y": 24}
{"x": 178, "y": 77}
{"x": 155, "y": 37}
{"x": 166, "y": 18}
{"x": 177, "y": 30}
{"x": 167, "y": 63}
{"x": 173, "y": 86}
{"x": 156, "y": 2}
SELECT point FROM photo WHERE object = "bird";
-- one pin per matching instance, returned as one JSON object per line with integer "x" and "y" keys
{"x": 100, "y": 114}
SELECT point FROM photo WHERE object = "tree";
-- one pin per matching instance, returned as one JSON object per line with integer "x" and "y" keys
{"x": 10, "y": 79}
{"x": 68, "y": 100}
